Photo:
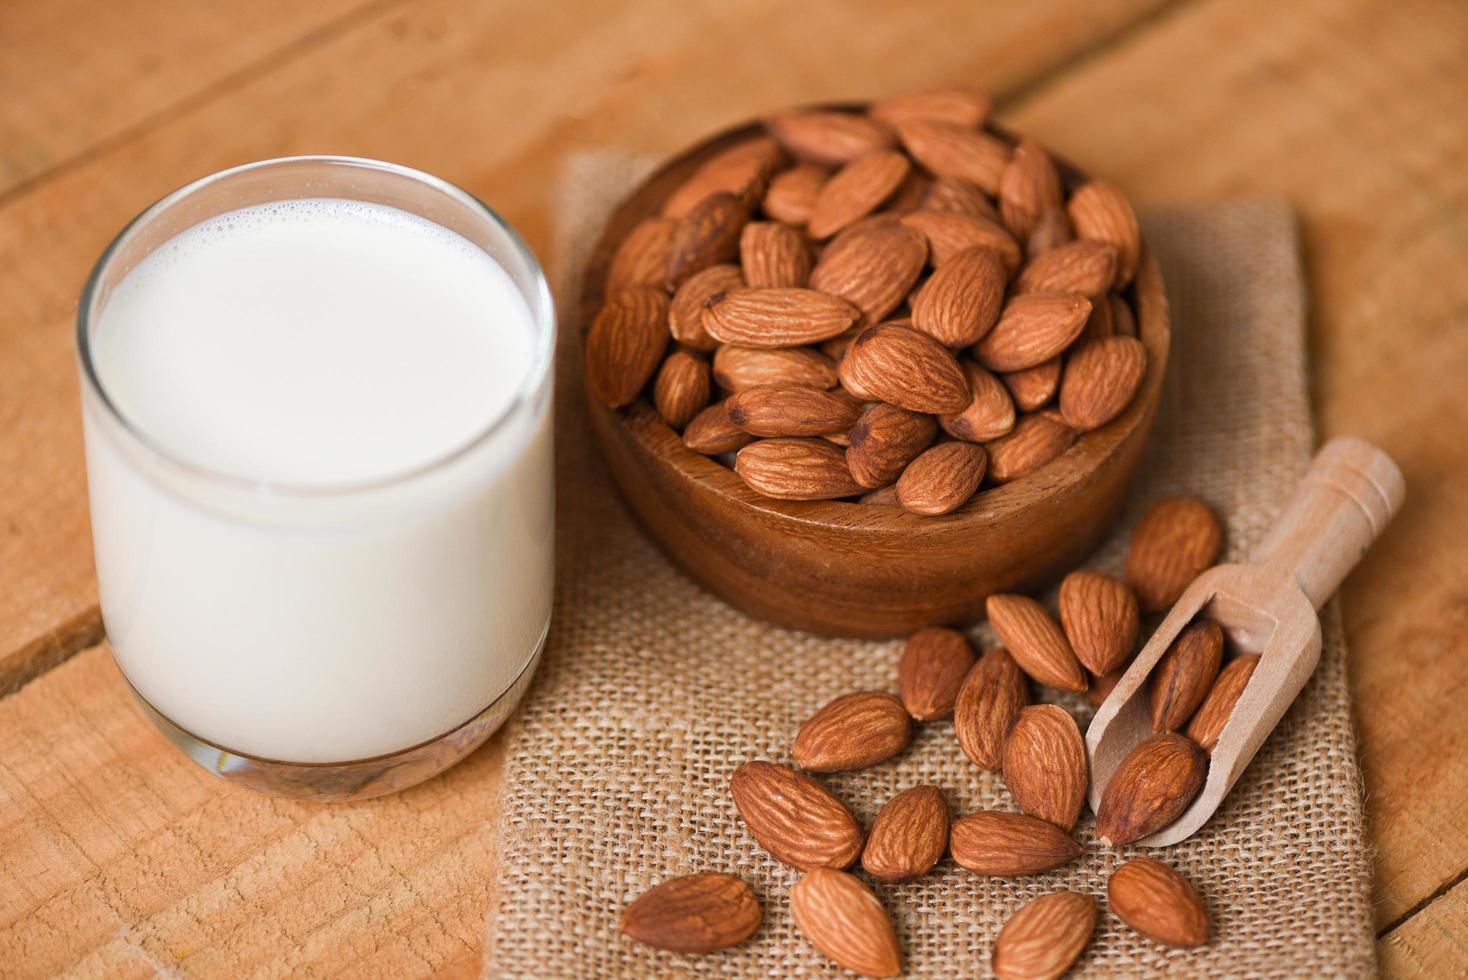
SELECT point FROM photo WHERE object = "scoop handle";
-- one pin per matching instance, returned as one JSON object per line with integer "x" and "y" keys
{"x": 1345, "y": 499}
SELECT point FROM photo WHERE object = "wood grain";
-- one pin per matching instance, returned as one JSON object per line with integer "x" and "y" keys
{"x": 1431, "y": 944}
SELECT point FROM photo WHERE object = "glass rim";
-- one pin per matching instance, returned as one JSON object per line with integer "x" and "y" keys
{"x": 528, "y": 386}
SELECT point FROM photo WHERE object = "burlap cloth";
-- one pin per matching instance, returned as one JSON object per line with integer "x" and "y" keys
{"x": 652, "y": 690}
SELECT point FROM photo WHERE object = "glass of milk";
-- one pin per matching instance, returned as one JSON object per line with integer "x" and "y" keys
{"x": 316, "y": 397}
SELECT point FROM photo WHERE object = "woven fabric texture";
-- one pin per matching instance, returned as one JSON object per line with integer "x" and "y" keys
{"x": 652, "y": 690}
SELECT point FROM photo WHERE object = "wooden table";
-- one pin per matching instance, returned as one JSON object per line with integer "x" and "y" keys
{"x": 116, "y": 857}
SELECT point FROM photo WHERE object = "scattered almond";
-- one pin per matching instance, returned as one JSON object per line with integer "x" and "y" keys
{"x": 792, "y": 193}
{"x": 1174, "y": 542}
{"x": 1085, "y": 267}
{"x": 1034, "y": 441}
{"x": 1101, "y": 378}
{"x": 796, "y": 469}
{"x": 776, "y": 317}
{"x": 853, "y": 732}
{"x": 1045, "y": 765}
{"x": 856, "y": 190}
{"x": 792, "y": 410}
{"x": 1159, "y": 903}
{"x": 737, "y": 368}
{"x": 990, "y": 412}
{"x": 956, "y": 106}
{"x": 707, "y": 235}
{"x": 959, "y": 196}
{"x": 872, "y": 267}
{"x": 696, "y": 913}
{"x": 1102, "y": 686}
{"x": 625, "y": 344}
{"x": 685, "y": 314}
{"x": 1033, "y": 328}
{"x": 1035, "y": 641}
{"x": 682, "y": 388}
{"x": 960, "y": 302}
{"x": 1029, "y": 188}
{"x": 712, "y": 433}
{"x": 909, "y": 835}
{"x": 1218, "y": 706}
{"x": 934, "y": 664}
{"x": 1033, "y": 387}
{"x": 1184, "y": 675}
{"x": 1153, "y": 785}
{"x": 948, "y": 233}
{"x": 1123, "y": 320}
{"x": 845, "y": 921}
{"x": 829, "y": 138}
{"x": 794, "y": 817}
{"x": 942, "y": 479}
{"x": 642, "y": 258}
{"x": 1101, "y": 619}
{"x": 1100, "y": 212}
{"x": 1044, "y": 938}
{"x": 987, "y": 705}
{"x": 884, "y": 440}
{"x": 1006, "y": 845}
{"x": 740, "y": 170}
{"x": 906, "y": 368}
{"x": 1051, "y": 230}
{"x": 773, "y": 254}
{"x": 956, "y": 151}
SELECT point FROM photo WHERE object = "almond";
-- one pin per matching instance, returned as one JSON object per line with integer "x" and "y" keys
{"x": 1035, "y": 641}
{"x": 987, "y": 704}
{"x": 884, "y": 440}
{"x": 960, "y": 197}
{"x": 1101, "y": 378}
{"x": 773, "y": 254}
{"x": 829, "y": 138}
{"x": 696, "y": 913}
{"x": 1184, "y": 675}
{"x": 1044, "y": 938}
{"x": 949, "y": 233}
{"x": 960, "y": 302}
{"x": 881, "y": 497}
{"x": 909, "y": 194}
{"x": 1100, "y": 212}
{"x": 682, "y": 388}
{"x": 956, "y": 106}
{"x": 1035, "y": 441}
{"x": 909, "y": 835}
{"x": 642, "y": 258}
{"x": 872, "y": 266}
{"x": 711, "y": 432}
{"x": 1174, "y": 542}
{"x": 1052, "y": 230}
{"x": 1207, "y": 725}
{"x": 990, "y": 412}
{"x": 794, "y": 817}
{"x": 942, "y": 479}
{"x": 856, "y": 190}
{"x": 1101, "y": 620}
{"x": 737, "y": 368}
{"x": 1098, "y": 324}
{"x": 1029, "y": 187}
{"x": 1159, "y": 903}
{"x": 796, "y": 469}
{"x": 845, "y": 921}
{"x": 1033, "y": 387}
{"x": 792, "y": 193}
{"x": 685, "y": 314}
{"x": 934, "y": 664}
{"x": 625, "y": 343}
{"x": 1153, "y": 785}
{"x": 776, "y": 317}
{"x": 1006, "y": 845}
{"x": 956, "y": 151}
{"x": 1084, "y": 267}
{"x": 1033, "y": 328}
{"x": 853, "y": 732}
{"x": 740, "y": 170}
{"x": 1123, "y": 320}
{"x": 707, "y": 235}
{"x": 906, "y": 368}
{"x": 792, "y": 410}
{"x": 1102, "y": 686}
{"x": 1045, "y": 765}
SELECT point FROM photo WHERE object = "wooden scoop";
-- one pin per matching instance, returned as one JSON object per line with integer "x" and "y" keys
{"x": 1268, "y": 607}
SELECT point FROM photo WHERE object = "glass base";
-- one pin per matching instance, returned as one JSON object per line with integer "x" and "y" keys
{"x": 336, "y": 782}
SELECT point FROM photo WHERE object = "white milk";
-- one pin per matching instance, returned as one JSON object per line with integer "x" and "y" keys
{"x": 315, "y": 582}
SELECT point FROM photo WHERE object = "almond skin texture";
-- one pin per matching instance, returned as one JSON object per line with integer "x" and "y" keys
{"x": 642, "y": 258}
{"x": 737, "y": 368}
{"x": 960, "y": 197}
{"x": 908, "y": 836}
{"x": 1045, "y": 765}
{"x": 884, "y": 440}
{"x": 682, "y": 388}
{"x": 773, "y": 254}
{"x": 1174, "y": 542}
{"x": 1035, "y": 641}
{"x": 1100, "y": 212}
{"x": 906, "y": 368}
{"x": 960, "y": 302}
{"x": 845, "y": 921}
{"x": 949, "y": 233}
{"x": 712, "y": 433}
{"x": 705, "y": 236}
{"x": 1155, "y": 783}
{"x": 696, "y": 913}
{"x": 1052, "y": 230}
{"x": 1032, "y": 329}
{"x": 1102, "y": 685}
{"x": 987, "y": 705}
{"x": 990, "y": 412}
{"x": 934, "y": 664}
{"x": 881, "y": 497}
{"x": 942, "y": 479}
{"x": 1034, "y": 441}
{"x": 740, "y": 170}
{"x": 792, "y": 193}
{"x": 956, "y": 151}
{"x": 1033, "y": 387}
{"x": 1043, "y": 938}
{"x": 1208, "y": 723}
{"x": 776, "y": 317}
{"x": 853, "y": 732}
{"x": 1123, "y": 320}
{"x": 1101, "y": 619}
{"x": 1029, "y": 187}
{"x": 792, "y": 410}
{"x": 1101, "y": 378}
{"x": 829, "y": 138}
{"x": 1184, "y": 675}
{"x": 1159, "y": 903}
{"x": 794, "y": 817}
{"x": 625, "y": 344}
{"x": 956, "y": 106}
{"x": 856, "y": 190}
{"x": 1006, "y": 845}
{"x": 872, "y": 267}
{"x": 685, "y": 315}
{"x": 1085, "y": 267}
{"x": 796, "y": 469}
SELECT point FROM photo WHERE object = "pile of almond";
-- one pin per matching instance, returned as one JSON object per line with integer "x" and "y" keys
{"x": 1037, "y": 748}
{"x": 895, "y": 305}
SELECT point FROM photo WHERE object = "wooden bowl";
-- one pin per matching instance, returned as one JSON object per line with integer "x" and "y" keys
{"x": 850, "y": 569}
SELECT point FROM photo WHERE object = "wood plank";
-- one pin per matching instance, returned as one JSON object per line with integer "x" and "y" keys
{"x": 435, "y": 86}
{"x": 1354, "y": 111}
{"x": 77, "y": 73}
{"x": 1431, "y": 944}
